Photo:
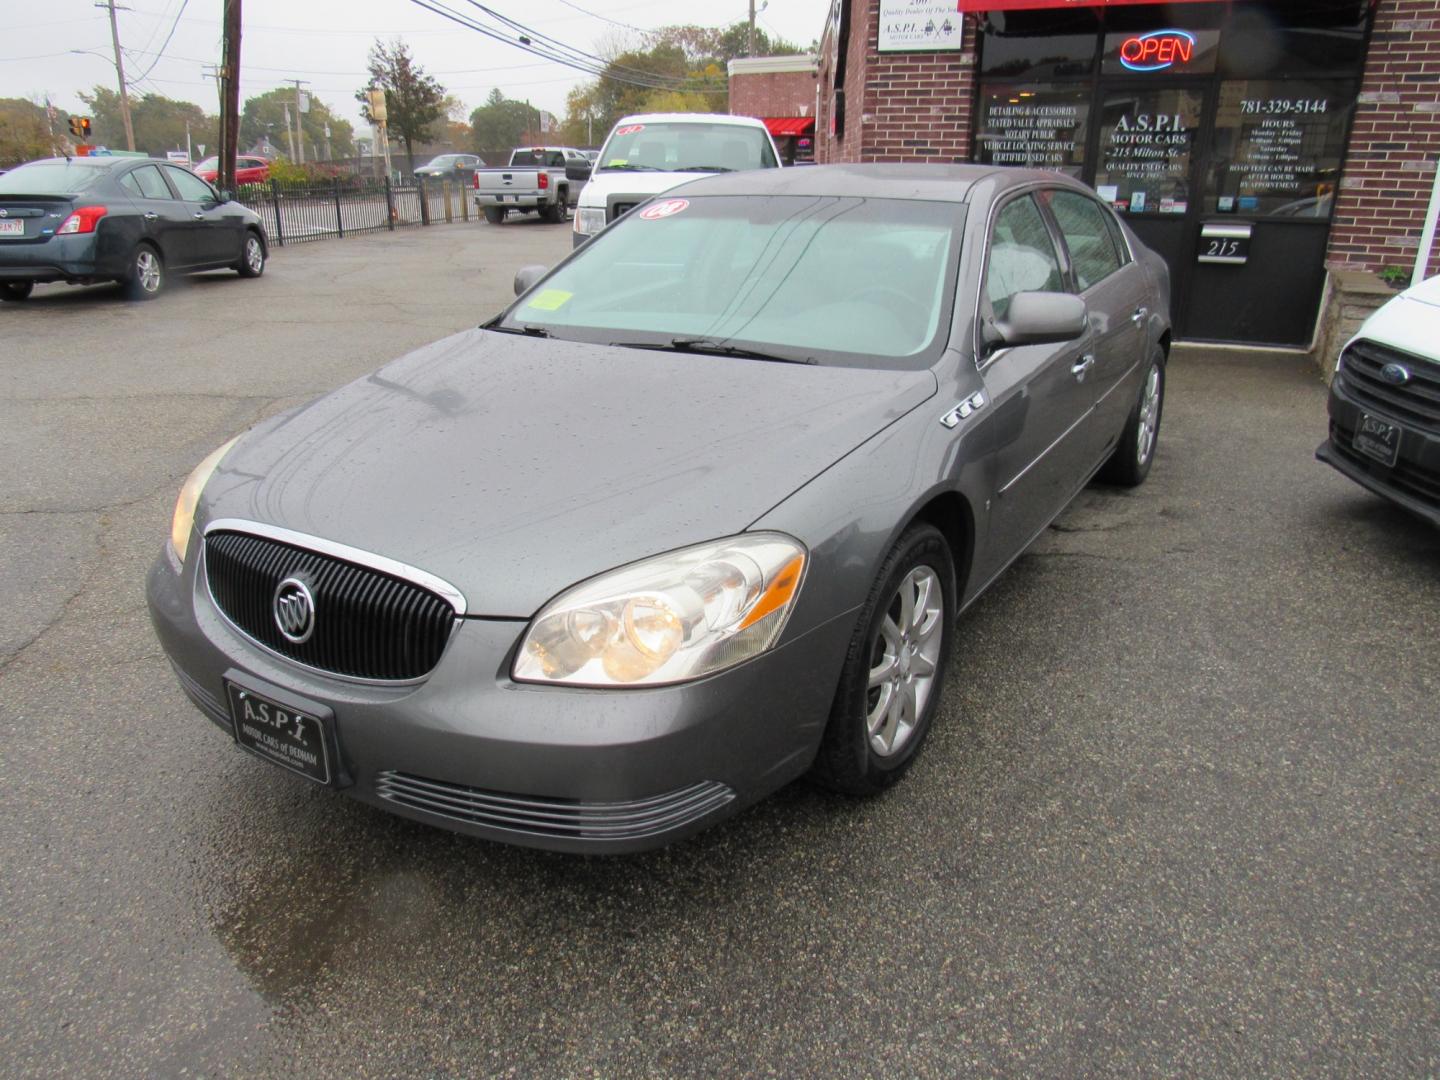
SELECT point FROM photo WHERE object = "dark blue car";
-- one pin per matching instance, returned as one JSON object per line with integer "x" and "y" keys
{"x": 132, "y": 220}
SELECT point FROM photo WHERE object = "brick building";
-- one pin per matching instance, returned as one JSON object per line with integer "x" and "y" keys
{"x": 779, "y": 90}
{"x": 1310, "y": 129}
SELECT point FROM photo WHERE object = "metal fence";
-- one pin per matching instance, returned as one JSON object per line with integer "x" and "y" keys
{"x": 313, "y": 210}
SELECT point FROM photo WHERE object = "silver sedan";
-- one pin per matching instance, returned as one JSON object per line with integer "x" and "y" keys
{"x": 695, "y": 516}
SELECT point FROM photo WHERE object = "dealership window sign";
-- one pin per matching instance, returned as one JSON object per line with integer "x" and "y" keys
{"x": 920, "y": 26}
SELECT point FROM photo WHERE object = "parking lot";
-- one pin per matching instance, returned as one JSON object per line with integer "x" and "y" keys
{"x": 1176, "y": 818}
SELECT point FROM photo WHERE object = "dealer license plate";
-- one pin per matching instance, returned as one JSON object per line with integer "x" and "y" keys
{"x": 1378, "y": 439}
{"x": 282, "y": 735}
{"x": 12, "y": 228}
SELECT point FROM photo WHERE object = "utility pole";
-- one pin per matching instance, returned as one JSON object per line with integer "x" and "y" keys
{"x": 750, "y": 38}
{"x": 298, "y": 146}
{"x": 120, "y": 72}
{"x": 229, "y": 94}
{"x": 289, "y": 132}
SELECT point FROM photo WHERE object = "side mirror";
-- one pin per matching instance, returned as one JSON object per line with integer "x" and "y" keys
{"x": 226, "y": 195}
{"x": 1039, "y": 318}
{"x": 576, "y": 171}
{"x": 527, "y": 276}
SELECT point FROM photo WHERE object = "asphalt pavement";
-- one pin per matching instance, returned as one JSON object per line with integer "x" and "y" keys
{"x": 1176, "y": 818}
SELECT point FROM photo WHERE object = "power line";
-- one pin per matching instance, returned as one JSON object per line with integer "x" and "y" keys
{"x": 166, "y": 43}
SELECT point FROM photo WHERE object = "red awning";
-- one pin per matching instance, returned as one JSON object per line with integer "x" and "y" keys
{"x": 1035, "y": 5}
{"x": 790, "y": 125}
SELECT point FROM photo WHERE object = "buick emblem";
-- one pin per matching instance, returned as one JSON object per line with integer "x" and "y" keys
{"x": 1395, "y": 374}
{"x": 294, "y": 609}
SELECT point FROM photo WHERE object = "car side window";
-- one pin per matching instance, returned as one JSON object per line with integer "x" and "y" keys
{"x": 190, "y": 186}
{"x": 131, "y": 185}
{"x": 555, "y": 159}
{"x": 151, "y": 183}
{"x": 1022, "y": 255}
{"x": 1087, "y": 236}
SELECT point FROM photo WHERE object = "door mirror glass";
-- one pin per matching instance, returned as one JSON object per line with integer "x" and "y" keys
{"x": 528, "y": 276}
{"x": 226, "y": 195}
{"x": 1041, "y": 318}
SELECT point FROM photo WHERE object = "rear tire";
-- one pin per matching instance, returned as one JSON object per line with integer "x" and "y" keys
{"x": 16, "y": 290}
{"x": 1140, "y": 437}
{"x": 146, "y": 275}
{"x": 495, "y": 215}
{"x": 894, "y": 671}
{"x": 559, "y": 210}
{"x": 252, "y": 255}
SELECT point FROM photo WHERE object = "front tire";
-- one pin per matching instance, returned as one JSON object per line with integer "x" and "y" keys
{"x": 559, "y": 210}
{"x": 146, "y": 276}
{"x": 252, "y": 256}
{"x": 16, "y": 290}
{"x": 1130, "y": 463}
{"x": 495, "y": 215}
{"x": 894, "y": 671}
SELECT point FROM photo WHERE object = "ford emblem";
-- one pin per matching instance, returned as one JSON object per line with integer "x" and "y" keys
{"x": 1395, "y": 374}
{"x": 4, "y": 212}
{"x": 294, "y": 610}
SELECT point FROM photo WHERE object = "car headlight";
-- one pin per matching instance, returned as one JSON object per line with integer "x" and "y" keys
{"x": 589, "y": 220}
{"x": 184, "y": 518}
{"x": 667, "y": 619}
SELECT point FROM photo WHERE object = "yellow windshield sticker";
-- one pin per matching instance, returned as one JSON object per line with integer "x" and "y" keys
{"x": 619, "y": 161}
{"x": 550, "y": 299}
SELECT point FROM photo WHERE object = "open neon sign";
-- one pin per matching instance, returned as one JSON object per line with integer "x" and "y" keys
{"x": 1157, "y": 50}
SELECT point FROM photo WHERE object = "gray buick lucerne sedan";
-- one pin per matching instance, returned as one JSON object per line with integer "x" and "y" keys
{"x": 694, "y": 516}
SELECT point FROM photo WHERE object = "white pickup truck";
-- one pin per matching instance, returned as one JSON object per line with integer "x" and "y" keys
{"x": 539, "y": 179}
{"x": 651, "y": 153}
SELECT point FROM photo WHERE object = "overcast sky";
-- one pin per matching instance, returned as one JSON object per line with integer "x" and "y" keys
{"x": 326, "y": 41}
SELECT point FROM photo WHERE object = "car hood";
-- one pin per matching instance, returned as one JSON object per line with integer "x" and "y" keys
{"x": 603, "y": 184}
{"x": 515, "y": 467}
{"x": 1410, "y": 322}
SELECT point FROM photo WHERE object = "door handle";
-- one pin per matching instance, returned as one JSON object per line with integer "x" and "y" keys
{"x": 1082, "y": 367}
{"x": 1139, "y": 316}
{"x": 199, "y": 215}
{"x": 150, "y": 215}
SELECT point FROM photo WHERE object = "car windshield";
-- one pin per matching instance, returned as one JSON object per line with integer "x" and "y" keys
{"x": 51, "y": 178}
{"x": 852, "y": 281}
{"x": 208, "y": 165}
{"x": 443, "y": 161}
{"x": 687, "y": 147}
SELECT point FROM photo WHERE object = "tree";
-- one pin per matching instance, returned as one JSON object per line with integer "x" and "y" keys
{"x": 413, "y": 100}
{"x": 734, "y": 40}
{"x": 159, "y": 122}
{"x": 264, "y": 117}
{"x": 24, "y": 135}
{"x": 501, "y": 123}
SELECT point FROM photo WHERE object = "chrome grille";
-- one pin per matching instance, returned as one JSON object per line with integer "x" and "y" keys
{"x": 368, "y": 624}
{"x": 1417, "y": 401}
{"x": 539, "y": 816}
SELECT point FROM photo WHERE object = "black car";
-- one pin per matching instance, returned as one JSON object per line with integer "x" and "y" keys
{"x": 132, "y": 220}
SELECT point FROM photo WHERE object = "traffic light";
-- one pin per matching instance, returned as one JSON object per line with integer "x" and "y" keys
{"x": 80, "y": 126}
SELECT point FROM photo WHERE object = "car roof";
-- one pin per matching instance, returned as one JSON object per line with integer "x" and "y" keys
{"x": 929, "y": 183}
{"x": 690, "y": 118}
{"x": 104, "y": 161}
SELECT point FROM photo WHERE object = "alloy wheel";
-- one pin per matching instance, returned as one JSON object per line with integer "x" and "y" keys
{"x": 147, "y": 270}
{"x": 903, "y": 660}
{"x": 254, "y": 255}
{"x": 1149, "y": 416}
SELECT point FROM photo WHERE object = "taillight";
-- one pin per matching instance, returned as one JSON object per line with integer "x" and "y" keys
{"x": 82, "y": 220}
{"x": 544, "y": 179}
{"x": 475, "y": 181}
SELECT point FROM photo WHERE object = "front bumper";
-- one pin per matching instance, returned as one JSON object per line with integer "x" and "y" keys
{"x": 568, "y": 769}
{"x": 1413, "y": 483}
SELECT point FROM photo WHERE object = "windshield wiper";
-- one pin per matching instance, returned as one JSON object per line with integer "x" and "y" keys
{"x": 628, "y": 167}
{"x": 705, "y": 168}
{"x": 528, "y": 329}
{"x": 707, "y": 347}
